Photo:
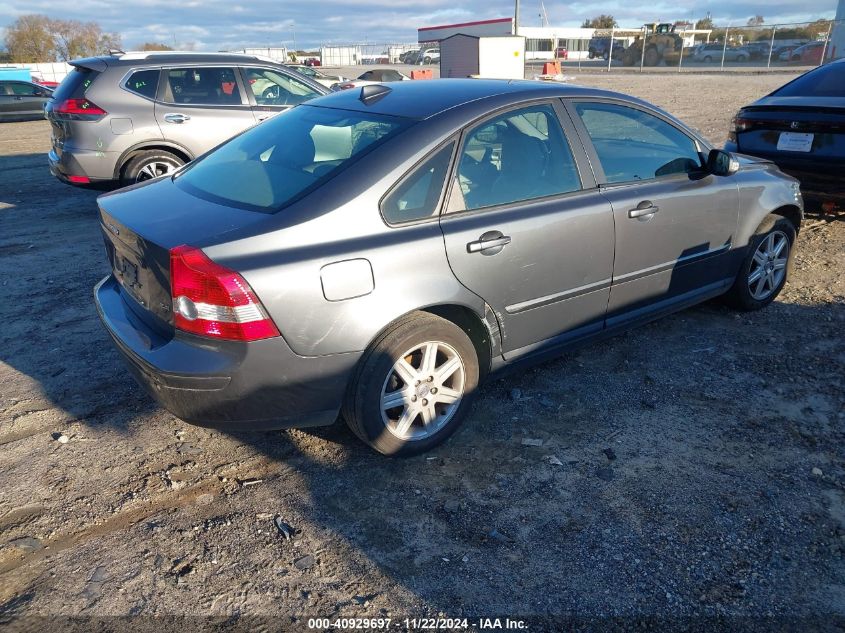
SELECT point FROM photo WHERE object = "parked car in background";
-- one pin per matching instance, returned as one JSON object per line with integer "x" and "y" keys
{"x": 801, "y": 127}
{"x": 52, "y": 85}
{"x": 562, "y": 53}
{"x": 375, "y": 76}
{"x": 367, "y": 252}
{"x": 784, "y": 53}
{"x": 316, "y": 75}
{"x": 409, "y": 57}
{"x": 809, "y": 53}
{"x": 428, "y": 56}
{"x": 714, "y": 53}
{"x": 22, "y": 100}
{"x": 125, "y": 118}
{"x": 758, "y": 50}
{"x": 313, "y": 61}
{"x": 600, "y": 47}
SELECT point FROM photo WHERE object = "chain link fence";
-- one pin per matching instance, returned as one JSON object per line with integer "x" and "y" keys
{"x": 720, "y": 48}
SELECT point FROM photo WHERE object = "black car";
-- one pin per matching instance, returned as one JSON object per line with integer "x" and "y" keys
{"x": 600, "y": 47}
{"x": 801, "y": 127}
{"x": 22, "y": 100}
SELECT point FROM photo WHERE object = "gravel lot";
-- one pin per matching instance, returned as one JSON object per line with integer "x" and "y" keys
{"x": 692, "y": 468}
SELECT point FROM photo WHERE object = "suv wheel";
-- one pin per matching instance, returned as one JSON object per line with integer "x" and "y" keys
{"x": 765, "y": 268}
{"x": 148, "y": 165}
{"x": 413, "y": 387}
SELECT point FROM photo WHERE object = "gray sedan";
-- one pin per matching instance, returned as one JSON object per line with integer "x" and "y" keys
{"x": 22, "y": 99}
{"x": 379, "y": 252}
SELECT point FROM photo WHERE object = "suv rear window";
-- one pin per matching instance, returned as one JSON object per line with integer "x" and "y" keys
{"x": 287, "y": 156}
{"x": 143, "y": 82}
{"x": 75, "y": 84}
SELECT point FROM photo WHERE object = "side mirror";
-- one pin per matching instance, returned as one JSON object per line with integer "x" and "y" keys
{"x": 722, "y": 163}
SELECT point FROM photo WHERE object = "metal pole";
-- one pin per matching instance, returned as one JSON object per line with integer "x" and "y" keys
{"x": 610, "y": 52}
{"x": 681, "y": 58}
{"x": 642, "y": 51}
{"x": 516, "y": 17}
{"x": 827, "y": 39}
{"x": 725, "y": 47}
{"x": 771, "y": 47}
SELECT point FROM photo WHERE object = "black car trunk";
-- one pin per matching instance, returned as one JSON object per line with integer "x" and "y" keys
{"x": 142, "y": 224}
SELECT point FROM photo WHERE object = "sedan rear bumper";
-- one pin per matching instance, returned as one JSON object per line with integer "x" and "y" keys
{"x": 225, "y": 384}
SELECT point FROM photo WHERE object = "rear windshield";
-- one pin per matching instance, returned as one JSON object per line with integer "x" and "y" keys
{"x": 75, "y": 84}
{"x": 827, "y": 81}
{"x": 284, "y": 158}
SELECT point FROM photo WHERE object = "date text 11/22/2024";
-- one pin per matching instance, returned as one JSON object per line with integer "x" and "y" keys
{"x": 417, "y": 624}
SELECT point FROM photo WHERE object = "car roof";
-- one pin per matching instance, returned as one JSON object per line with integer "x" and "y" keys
{"x": 424, "y": 99}
{"x": 136, "y": 58}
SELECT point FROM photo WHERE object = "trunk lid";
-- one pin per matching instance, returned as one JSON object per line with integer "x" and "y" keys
{"x": 795, "y": 127}
{"x": 73, "y": 86}
{"x": 142, "y": 223}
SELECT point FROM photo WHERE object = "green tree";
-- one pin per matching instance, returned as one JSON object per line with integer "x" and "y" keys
{"x": 155, "y": 46}
{"x": 601, "y": 22}
{"x": 38, "y": 38}
{"x": 704, "y": 24}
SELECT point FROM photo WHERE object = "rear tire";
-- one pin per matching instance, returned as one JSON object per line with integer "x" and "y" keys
{"x": 148, "y": 165}
{"x": 765, "y": 269}
{"x": 708, "y": 59}
{"x": 427, "y": 368}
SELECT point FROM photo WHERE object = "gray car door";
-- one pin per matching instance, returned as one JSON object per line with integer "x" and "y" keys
{"x": 527, "y": 230}
{"x": 199, "y": 107}
{"x": 674, "y": 221}
{"x": 22, "y": 98}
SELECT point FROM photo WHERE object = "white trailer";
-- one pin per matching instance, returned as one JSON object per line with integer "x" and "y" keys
{"x": 498, "y": 57}
{"x": 277, "y": 53}
{"x": 341, "y": 55}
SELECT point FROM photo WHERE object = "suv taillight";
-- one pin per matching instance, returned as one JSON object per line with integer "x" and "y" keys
{"x": 80, "y": 107}
{"x": 211, "y": 300}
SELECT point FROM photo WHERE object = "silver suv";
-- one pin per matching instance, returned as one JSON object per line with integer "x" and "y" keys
{"x": 131, "y": 117}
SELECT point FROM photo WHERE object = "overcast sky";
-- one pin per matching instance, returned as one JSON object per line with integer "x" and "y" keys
{"x": 230, "y": 24}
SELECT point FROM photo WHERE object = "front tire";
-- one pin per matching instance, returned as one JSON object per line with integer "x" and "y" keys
{"x": 766, "y": 266}
{"x": 148, "y": 165}
{"x": 413, "y": 387}
{"x": 652, "y": 57}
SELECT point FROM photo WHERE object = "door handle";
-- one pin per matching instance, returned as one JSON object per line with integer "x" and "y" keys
{"x": 18, "y": 98}
{"x": 644, "y": 211}
{"x": 489, "y": 244}
{"x": 176, "y": 117}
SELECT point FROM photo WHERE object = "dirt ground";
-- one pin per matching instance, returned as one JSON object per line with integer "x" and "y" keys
{"x": 693, "y": 468}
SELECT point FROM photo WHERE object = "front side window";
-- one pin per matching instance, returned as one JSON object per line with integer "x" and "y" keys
{"x": 273, "y": 88}
{"x": 270, "y": 165}
{"x": 418, "y": 195}
{"x": 25, "y": 90}
{"x": 202, "y": 86}
{"x": 634, "y": 145}
{"x": 144, "y": 83}
{"x": 517, "y": 156}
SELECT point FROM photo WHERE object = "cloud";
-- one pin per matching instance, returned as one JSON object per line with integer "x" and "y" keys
{"x": 222, "y": 25}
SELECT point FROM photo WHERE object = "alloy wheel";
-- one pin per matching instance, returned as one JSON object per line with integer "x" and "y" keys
{"x": 423, "y": 390}
{"x": 154, "y": 169}
{"x": 768, "y": 266}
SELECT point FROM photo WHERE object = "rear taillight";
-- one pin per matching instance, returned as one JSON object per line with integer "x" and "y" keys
{"x": 79, "y": 180}
{"x": 739, "y": 124}
{"x": 79, "y": 107}
{"x": 211, "y": 300}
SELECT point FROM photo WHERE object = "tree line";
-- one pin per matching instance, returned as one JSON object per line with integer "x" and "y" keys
{"x": 39, "y": 38}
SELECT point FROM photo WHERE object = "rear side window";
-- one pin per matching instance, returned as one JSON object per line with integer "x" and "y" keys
{"x": 418, "y": 195}
{"x": 143, "y": 82}
{"x": 202, "y": 86}
{"x": 634, "y": 145}
{"x": 827, "y": 81}
{"x": 520, "y": 155}
{"x": 75, "y": 84}
{"x": 285, "y": 157}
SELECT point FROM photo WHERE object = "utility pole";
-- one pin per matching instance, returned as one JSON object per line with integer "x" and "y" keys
{"x": 516, "y": 17}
